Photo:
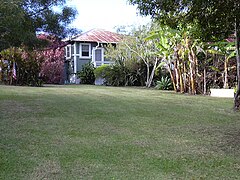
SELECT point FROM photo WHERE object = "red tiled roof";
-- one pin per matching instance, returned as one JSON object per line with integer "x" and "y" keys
{"x": 98, "y": 35}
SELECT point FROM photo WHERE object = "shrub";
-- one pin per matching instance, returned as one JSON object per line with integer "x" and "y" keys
{"x": 164, "y": 84}
{"x": 21, "y": 67}
{"x": 52, "y": 68}
{"x": 113, "y": 75}
{"x": 87, "y": 74}
{"x": 100, "y": 72}
{"x": 120, "y": 75}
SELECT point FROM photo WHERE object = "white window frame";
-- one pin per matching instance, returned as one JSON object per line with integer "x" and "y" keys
{"x": 93, "y": 57}
{"x": 70, "y": 53}
{"x": 80, "y": 51}
{"x": 102, "y": 51}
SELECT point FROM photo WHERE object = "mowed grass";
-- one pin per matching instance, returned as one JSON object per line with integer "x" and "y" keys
{"x": 95, "y": 132}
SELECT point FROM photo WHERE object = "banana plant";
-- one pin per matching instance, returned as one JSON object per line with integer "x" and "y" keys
{"x": 164, "y": 39}
{"x": 227, "y": 50}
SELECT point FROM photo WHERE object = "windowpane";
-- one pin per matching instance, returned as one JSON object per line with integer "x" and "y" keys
{"x": 85, "y": 54}
{"x": 68, "y": 51}
{"x": 85, "y": 50}
{"x": 98, "y": 55}
{"x": 85, "y": 47}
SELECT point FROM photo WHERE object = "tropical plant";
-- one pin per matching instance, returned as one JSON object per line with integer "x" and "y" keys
{"x": 225, "y": 50}
{"x": 179, "y": 51}
{"x": 203, "y": 14}
{"x": 114, "y": 74}
{"x": 132, "y": 52}
{"x": 100, "y": 72}
{"x": 86, "y": 75}
{"x": 164, "y": 84}
{"x": 20, "y": 67}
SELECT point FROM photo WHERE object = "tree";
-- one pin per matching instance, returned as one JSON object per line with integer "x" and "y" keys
{"x": 178, "y": 51}
{"x": 216, "y": 20}
{"x": 226, "y": 50}
{"x": 127, "y": 69}
{"x": 145, "y": 48}
{"x": 135, "y": 49}
{"x": 52, "y": 66}
{"x": 20, "y": 20}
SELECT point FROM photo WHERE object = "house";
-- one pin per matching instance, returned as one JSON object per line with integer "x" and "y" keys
{"x": 85, "y": 48}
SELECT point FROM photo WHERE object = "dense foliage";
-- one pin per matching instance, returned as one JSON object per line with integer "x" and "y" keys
{"x": 152, "y": 53}
{"x": 215, "y": 20}
{"x": 164, "y": 84}
{"x": 21, "y": 19}
{"x": 137, "y": 57}
{"x": 30, "y": 62}
{"x": 119, "y": 74}
{"x": 52, "y": 67}
{"x": 87, "y": 74}
{"x": 20, "y": 67}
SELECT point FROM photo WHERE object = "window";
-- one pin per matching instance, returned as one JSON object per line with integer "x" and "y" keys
{"x": 98, "y": 55}
{"x": 68, "y": 51}
{"x": 85, "y": 50}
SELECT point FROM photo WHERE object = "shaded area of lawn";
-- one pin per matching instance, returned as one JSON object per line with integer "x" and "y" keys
{"x": 94, "y": 132}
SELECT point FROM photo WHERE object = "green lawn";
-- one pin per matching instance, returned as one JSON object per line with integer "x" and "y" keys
{"x": 95, "y": 132}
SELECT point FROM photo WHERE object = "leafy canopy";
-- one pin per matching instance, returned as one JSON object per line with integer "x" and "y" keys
{"x": 215, "y": 19}
{"x": 20, "y": 20}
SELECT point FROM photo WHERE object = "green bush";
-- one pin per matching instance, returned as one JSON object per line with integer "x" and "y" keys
{"x": 164, "y": 84}
{"x": 113, "y": 75}
{"x": 20, "y": 67}
{"x": 118, "y": 74}
{"x": 101, "y": 71}
{"x": 87, "y": 74}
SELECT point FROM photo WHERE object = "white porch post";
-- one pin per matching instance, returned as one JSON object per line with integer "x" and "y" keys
{"x": 75, "y": 61}
{"x": 102, "y": 56}
{"x": 93, "y": 57}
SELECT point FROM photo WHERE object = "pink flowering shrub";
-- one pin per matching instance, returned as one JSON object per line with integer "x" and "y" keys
{"x": 52, "y": 67}
{"x": 21, "y": 66}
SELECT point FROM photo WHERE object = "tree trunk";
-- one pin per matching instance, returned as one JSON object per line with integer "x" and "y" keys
{"x": 152, "y": 73}
{"x": 181, "y": 81}
{"x": 192, "y": 73}
{"x": 172, "y": 78}
{"x": 192, "y": 67}
{"x": 237, "y": 94}
{"x": 176, "y": 75}
{"x": 195, "y": 72}
{"x": 180, "y": 72}
{"x": 147, "y": 81}
{"x": 225, "y": 86}
{"x": 184, "y": 77}
{"x": 204, "y": 81}
{"x": 205, "y": 76}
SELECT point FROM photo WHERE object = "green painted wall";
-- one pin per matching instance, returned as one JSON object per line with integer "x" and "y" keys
{"x": 82, "y": 61}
